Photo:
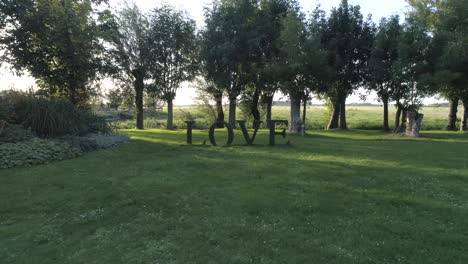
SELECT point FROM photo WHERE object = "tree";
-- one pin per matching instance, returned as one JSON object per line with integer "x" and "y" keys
{"x": 173, "y": 53}
{"x": 304, "y": 67}
{"x": 348, "y": 39}
{"x": 411, "y": 73}
{"x": 293, "y": 37}
{"x": 115, "y": 98}
{"x": 447, "y": 21}
{"x": 228, "y": 46}
{"x": 383, "y": 57}
{"x": 269, "y": 24}
{"x": 59, "y": 42}
{"x": 131, "y": 52}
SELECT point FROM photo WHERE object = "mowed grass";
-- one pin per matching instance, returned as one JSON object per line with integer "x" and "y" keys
{"x": 329, "y": 197}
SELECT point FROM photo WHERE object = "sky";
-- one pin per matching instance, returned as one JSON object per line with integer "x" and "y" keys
{"x": 378, "y": 9}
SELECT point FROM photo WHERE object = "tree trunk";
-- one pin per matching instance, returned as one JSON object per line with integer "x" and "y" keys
{"x": 397, "y": 118}
{"x": 139, "y": 88}
{"x": 464, "y": 122}
{"x": 452, "y": 117}
{"x": 404, "y": 115}
{"x": 304, "y": 114}
{"x": 414, "y": 124}
{"x": 255, "y": 112}
{"x": 232, "y": 112}
{"x": 269, "y": 106}
{"x": 386, "y": 126}
{"x": 333, "y": 124}
{"x": 343, "y": 124}
{"x": 295, "y": 126}
{"x": 219, "y": 110}
{"x": 170, "y": 114}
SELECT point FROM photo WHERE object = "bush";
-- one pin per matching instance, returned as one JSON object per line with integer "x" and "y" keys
{"x": 104, "y": 141}
{"x": 52, "y": 117}
{"x": 85, "y": 144}
{"x": 15, "y": 133}
{"x": 35, "y": 151}
{"x": 95, "y": 141}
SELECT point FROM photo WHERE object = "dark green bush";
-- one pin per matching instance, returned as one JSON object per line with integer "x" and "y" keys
{"x": 104, "y": 141}
{"x": 50, "y": 117}
{"x": 92, "y": 142}
{"x": 15, "y": 133}
{"x": 86, "y": 144}
{"x": 35, "y": 151}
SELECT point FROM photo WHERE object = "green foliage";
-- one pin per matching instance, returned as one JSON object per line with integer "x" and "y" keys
{"x": 50, "y": 117}
{"x": 57, "y": 117}
{"x": 57, "y": 41}
{"x": 35, "y": 151}
{"x": 173, "y": 49}
{"x": 14, "y": 133}
{"x": 104, "y": 141}
{"x": 228, "y": 45}
{"x": 383, "y": 58}
{"x": 348, "y": 38}
{"x": 85, "y": 144}
{"x": 411, "y": 67}
{"x": 115, "y": 98}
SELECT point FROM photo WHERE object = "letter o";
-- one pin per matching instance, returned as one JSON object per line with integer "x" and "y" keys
{"x": 230, "y": 134}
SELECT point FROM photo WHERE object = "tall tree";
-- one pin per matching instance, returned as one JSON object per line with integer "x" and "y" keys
{"x": 304, "y": 68}
{"x": 173, "y": 53}
{"x": 57, "y": 41}
{"x": 348, "y": 38}
{"x": 383, "y": 58}
{"x": 228, "y": 45}
{"x": 269, "y": 24}
{"x": 293, "y": 81}
{"x": 447, "y": 22}
{"x": 131, "y": 52}
{"x": 411, "y": 73}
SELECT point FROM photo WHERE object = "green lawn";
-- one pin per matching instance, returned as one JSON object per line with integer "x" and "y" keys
{"x": 330, "y": 197}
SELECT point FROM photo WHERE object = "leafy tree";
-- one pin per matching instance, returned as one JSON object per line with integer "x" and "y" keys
{"x": 383, "y": 58}
{"x": 447, "y": 21}
{"x": 115, "y": 98}
{"x": 173, "y": 53}
{"x": 411, "y": 73}
{"x": 269, "y": 24}
{"x": 348, "y": 39}
{"x": 304, "y": 68}
{"x": 228, "y": 46}
{"x": 57, "y": 41}
{"x": 293, "y": 81}
{"x": 131, "y": 52}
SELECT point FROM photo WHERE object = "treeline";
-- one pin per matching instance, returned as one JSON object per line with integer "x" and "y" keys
{"x": 247, "y": 51}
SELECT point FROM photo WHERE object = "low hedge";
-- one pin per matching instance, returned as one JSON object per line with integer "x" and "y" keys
{"x": 35, "y": 151}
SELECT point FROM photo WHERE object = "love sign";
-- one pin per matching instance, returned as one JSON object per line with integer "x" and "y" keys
{"x": 247, "y": 137}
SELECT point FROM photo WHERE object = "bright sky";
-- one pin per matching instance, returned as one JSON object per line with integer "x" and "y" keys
{"x": 378, "y": 9}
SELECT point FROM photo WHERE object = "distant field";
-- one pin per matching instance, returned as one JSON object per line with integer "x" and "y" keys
{"x": 359, "y": 117}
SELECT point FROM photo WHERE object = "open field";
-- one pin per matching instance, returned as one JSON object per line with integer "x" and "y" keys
{"x": 330, "y": 197}
{"x": 359, "y": 117}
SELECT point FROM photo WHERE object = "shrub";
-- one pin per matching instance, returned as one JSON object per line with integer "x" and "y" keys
{"x": 104, "y": 141}
{"x": 35, "y": 151}
{"x": 85, "y": 144}
{"x": 56, "y": 117}
{"x": 95, "y": 141}
{"x": 14, "y": 133}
